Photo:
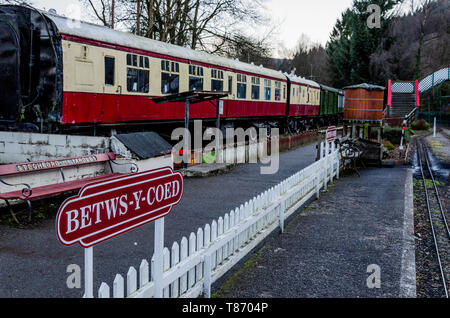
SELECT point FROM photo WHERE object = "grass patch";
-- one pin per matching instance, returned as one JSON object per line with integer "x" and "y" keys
{"x": 234, "y": 279}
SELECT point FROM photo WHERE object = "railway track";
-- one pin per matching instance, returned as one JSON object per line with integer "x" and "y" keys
{"x": 436, "y": 214}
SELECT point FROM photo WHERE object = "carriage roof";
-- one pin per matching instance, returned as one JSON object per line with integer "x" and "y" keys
{"x": 104, "y": 34}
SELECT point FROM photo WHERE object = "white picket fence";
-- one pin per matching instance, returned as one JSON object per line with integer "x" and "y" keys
{"x": 191, "y": 266}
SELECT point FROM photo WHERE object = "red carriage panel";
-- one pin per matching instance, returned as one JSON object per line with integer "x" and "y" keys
{"x": 81, "y": 108}
{"x": 242, "y": 108}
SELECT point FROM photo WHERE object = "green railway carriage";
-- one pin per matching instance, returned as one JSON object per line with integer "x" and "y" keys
{"x": 331, "y": 101}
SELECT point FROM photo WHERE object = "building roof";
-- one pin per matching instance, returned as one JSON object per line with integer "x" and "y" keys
{"x": 301, "y": 80}
{"x": 369, "y": 87}
{"x": 331, "y": 89}
{"x": 145, "y": 144}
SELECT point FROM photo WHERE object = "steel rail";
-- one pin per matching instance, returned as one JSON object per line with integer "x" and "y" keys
{"x": 431, "y": 218}
{"x": 437, "y": 191}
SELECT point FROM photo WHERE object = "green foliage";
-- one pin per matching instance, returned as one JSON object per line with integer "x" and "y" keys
{"x": 394, "y": 135}
{"x": 388, "y": 145}
{"x": 420, "y": 124}
{"x": 209, "y": 158}
{"x": 352, "y": 43}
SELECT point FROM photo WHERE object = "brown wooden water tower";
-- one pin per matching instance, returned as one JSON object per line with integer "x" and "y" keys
{"x": 363, "y": 105}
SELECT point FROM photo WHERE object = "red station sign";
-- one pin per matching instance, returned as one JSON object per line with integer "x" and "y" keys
{"x": 106, "y": 209}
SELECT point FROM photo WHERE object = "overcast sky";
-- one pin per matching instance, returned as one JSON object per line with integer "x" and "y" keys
{"x": 314, "y": 18}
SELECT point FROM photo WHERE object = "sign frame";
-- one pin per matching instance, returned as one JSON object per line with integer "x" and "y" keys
{"x": 149, "y": 177}
{"x": 111, "y": 225}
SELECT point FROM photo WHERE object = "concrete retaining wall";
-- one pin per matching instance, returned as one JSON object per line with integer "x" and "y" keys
{"x": 19, "y": 147}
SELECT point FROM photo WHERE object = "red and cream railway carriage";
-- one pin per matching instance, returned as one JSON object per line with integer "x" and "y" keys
{"x": 71, "y": 74}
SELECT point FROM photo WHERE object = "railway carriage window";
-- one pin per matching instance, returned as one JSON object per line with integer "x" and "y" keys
{"x": 195, "y": 83}
{"x": 216, "y": 86}
{"x": 170, "y": 77}
{"x": 255, "y": 87}
{"x": 277, "y": 91}
{"x": 109, "y": 70}
{"x": 196, "y": 79}
{"x": 216, "y": 80}
{"x": 241, "y": 86}
{"x": 170, "y": 83}
{"x": 138, "y": 75}
{"x": 267, "y": 89}
{"x": 137, "y": 80}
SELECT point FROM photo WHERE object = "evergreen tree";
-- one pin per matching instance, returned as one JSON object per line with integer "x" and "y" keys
{"x": 352, "y": 42}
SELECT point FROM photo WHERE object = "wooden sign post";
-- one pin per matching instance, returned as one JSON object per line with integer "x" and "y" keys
{"x": 109, "y": 208}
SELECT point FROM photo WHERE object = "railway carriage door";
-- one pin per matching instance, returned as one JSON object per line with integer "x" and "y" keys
{"x": 230, "y": 92}
{"x": 111, "y": 91}
{"x": 230, "y": 85}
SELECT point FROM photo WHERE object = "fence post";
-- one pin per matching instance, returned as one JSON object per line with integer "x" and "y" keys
{"x": 434, "y": 127}
{"x": 207, "y": 276}
{"x": 326, "y": 166}
{"x": 118, "y": 288}
{"x": 103, "y": 291}
{"x": 158, "y": 250}
{"x": 88, "y": 273}
{"x": 317, "y": 172}
{"x": 282, "y": 207}
{"x": 338, "y": 162}
{"x": 333, "y": 162}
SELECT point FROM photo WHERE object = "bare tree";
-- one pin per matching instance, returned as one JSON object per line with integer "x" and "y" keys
{"x": 102, "y": 11}
{"x": 416, "y": 44}
{"x": 16, "y": 2}
{"x": 308, "y": 59}
{"x": 425, "y": 11}
{"x": 199, "y": 24}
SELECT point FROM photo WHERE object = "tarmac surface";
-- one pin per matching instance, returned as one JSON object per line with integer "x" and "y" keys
{"x": 33, "y": 263}
{"x": 325, "y": 251}
{"x": 335, "y": 247}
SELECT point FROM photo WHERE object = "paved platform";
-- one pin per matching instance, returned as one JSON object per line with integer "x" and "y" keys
{"x": 327, "y": 249}
{"x": 33, "y": 263}
{"x": 440, "y": 145}
{"x": 206, "y": 170}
